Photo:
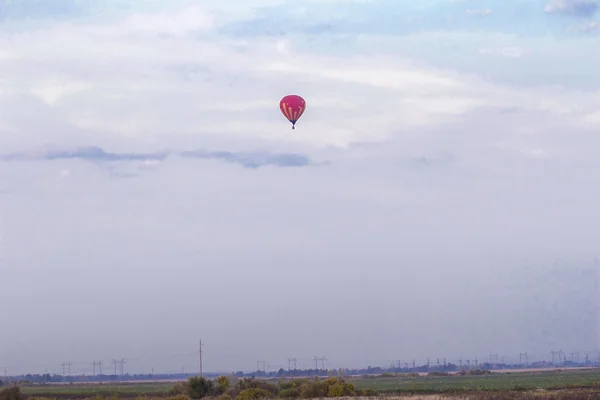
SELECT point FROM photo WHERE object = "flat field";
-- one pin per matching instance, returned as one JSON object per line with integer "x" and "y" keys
{"x": 81, "y": 390}
{"x": 517, "y": 381}
{"x": 584, "y": 383}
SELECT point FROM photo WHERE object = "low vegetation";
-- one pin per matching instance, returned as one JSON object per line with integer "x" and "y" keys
{"x": 252, "y": 389}
{"x": 474, "y": 384}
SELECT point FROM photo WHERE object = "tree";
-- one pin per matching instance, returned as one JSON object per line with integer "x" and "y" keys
{"x": 223, "y": 384}
{"x": 199, "y": 387}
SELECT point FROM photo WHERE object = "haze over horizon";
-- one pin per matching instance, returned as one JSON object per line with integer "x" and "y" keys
{"x": 151, "y": 192}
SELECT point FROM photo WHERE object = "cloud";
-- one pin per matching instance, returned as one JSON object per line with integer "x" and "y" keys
{"x": 510, "y": 52}
{"x": 98, "y": 155}
{"x": 578, "y": 8}
{"x": 481, "y": 12}
{"x": 446, "y": 154}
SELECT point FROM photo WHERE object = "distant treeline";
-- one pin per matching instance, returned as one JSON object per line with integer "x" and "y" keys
{"x": 296, "y": 373}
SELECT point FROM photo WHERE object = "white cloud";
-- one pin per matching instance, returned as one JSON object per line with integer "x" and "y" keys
{"x": 51, "y": 91}
{"x": 579, "y": 8}
{"x": 509, "y": 51}
{"x": 482, "y": 11}
{"x": 178, "y": 23}
{"x": 108, "y": 78}
{"x": 427, "y": 164}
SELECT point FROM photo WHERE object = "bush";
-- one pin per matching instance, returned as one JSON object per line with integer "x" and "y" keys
{"x": 178, "y": 397}
{"x": 199, "y": 387}
{"x": 330, "y": 387}
{"x": 438, "y": 373}
{"x": 336, "y": 390}
{"x": 180, "y": 388}
{"x": 248, "y": 383}
{"x": 13, "y": 393}
{"x": 311, "y": 390}
{"x": 366, "y": 392}
{"x": 254, "y": 394}
{"x": 223, "y": 384}
{"x": 292, "y": 384}
{"x": 291, "y": 393}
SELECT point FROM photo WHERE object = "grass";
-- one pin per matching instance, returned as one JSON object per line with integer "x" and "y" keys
{"x": 91, "y": 390}
{"x": 499, "y": 384}
{"x": 496, "y": 382}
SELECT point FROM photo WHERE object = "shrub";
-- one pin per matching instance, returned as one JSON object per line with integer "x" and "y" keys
{"x": 254, "y": 394}
{"x": 366, "y": 392}
{"x": 223, "y": 384}
{"x": 13, "y": 393}
{"x": 438, "y": 373}
{"x": 180, "y": 388}
{"x": 248, "y": 383}
{"x": 179, "y": 397}
{"x": 311, "y": 390}
{"x": 293, "y": 384}
{"x": 336, "y": 390}
{"x": 199, "y": 387}
{"x": 291, "y": 393}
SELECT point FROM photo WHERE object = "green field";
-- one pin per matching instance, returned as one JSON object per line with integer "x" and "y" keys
{"x": 494, "y": 382}
{"x": 106, "y": 389}
{"x": 383, "y": 385}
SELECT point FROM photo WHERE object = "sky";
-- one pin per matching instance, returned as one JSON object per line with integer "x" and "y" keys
{"x": 438, "y": 198}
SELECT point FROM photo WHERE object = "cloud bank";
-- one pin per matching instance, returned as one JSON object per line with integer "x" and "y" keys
{"x": 437, "y": 165}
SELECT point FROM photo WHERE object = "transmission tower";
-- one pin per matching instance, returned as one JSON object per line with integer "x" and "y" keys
{"x": 290, "y": 362}
{"x": 523, "y": 356}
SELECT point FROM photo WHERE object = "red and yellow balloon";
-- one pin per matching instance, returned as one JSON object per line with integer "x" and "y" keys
{"x": 292, "y": 107}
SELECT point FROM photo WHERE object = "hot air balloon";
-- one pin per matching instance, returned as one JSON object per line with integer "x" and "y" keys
{"x": 292, "y": 107}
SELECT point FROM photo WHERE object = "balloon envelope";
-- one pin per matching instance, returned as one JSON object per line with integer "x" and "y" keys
{"x": 292, "y": 107}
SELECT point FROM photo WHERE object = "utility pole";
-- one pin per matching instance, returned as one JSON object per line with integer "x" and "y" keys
{"x": 200, "y": 352}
